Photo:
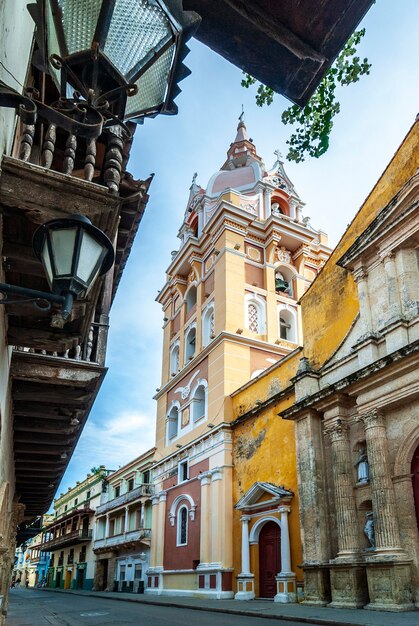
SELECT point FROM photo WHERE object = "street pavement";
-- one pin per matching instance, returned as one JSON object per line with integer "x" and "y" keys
{"x": 28, "y": 607}
{"x": 36, "y": 607}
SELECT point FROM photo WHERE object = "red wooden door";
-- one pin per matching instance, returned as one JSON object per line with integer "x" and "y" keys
{"x": 269, "y": 559}
{"x": 415, "y": 479}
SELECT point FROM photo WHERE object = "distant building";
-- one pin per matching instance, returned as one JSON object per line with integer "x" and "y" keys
{"x": 123, "y": 528}
{"x": 31, "y": 563}
{"x": 231, "y": 310}
{"x": 69, "y": 536}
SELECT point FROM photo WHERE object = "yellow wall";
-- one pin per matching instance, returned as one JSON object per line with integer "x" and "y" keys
{"x": 264, "y": 450}
{"x": 334, "y": 291}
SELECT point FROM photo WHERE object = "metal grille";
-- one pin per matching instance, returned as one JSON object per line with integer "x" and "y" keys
{"x": 253, "y": 318}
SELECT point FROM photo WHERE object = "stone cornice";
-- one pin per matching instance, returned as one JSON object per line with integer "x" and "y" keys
{"x": 367, "y": 372}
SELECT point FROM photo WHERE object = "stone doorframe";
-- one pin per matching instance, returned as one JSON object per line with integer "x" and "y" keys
{"x": 285, "y": 579}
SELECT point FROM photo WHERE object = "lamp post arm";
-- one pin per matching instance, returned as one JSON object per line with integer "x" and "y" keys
{"x": 33, "y": 294}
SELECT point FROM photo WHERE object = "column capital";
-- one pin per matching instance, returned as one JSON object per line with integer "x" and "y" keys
{"x": 216, "y": 474}
{"x": 360, "y": 274}
{"x": 388, "y": 256}
{"x": 336, "y": 430}
{"x": 284, "y": 508}
{"x": 162, "y": 496}
{"x": 245, "y": 519}
{"x": 154, "y": 500}
{"x": 205, "y": 478}
{"x": 372, "y": 417}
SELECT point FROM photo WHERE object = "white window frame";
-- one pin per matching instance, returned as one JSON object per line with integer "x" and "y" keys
{"x": 200, "y": 383}
{"x": 209, "y": 311}
{"x": 189, "y": 357}
{"x": 182, "y": 464}
{"x": 260, "y": 304}
{"x": 174, "y": 361}
{"x": 290, "y": 317}
{"x": 183, "y": 507}
{"x": 174, "y": 405}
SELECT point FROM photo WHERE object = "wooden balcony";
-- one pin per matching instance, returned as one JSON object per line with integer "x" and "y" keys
{"x": 69, "y": 539}
{"x": 56, "y": 373}
{"x": 129, "y": 539}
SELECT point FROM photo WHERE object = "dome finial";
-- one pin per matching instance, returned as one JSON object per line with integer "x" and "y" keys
{"x": 241, "y": 116}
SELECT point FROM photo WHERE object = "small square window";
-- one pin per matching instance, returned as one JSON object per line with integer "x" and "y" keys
{"x": 183, "y": 471}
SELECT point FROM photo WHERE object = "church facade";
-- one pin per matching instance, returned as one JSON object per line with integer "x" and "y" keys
{"x": 247, "y": 255}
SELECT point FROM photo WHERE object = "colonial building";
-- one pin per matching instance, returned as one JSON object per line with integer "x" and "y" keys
{"x": 69, "y": 536}
{"x": 123, "y": 528}
{"x": 351, "y": 391}
{"x": 230, "y": 312}
{"x": 356, "y": 412}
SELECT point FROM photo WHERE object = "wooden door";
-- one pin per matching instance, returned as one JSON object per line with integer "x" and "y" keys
{"x": 269, "y": 559}
{"x": 415, "y": 479}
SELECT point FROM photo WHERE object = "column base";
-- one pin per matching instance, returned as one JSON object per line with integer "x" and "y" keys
{"x": 316, "y": 584}
{"x": 348, "y": 584}
{"x": 389, "y": 585}
{"x": 286, "y": 588}
{"x": 245, "y": 587}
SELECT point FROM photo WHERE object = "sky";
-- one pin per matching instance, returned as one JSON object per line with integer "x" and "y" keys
{"x": 376, "y": 114}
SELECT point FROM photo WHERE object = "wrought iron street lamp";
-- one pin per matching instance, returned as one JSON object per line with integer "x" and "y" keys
{"x": 107, "y": 50}
{"x": 74, "y": 253}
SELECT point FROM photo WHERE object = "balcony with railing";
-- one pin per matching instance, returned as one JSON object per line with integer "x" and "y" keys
{"x": 68, "y": 539}
{"x": 123, "y": 539}
{"x": 142, "y": 491}
{"x": 64, "y": 161}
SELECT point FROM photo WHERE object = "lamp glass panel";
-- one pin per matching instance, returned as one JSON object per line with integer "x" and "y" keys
{"x": 79, "y": 19}
{"x": 136, "y": 28}
{"x": 152, "y": 85}
{"x": 47, "y": 262}
{"x": 63, "y": 243}
{"x": 90, "y": 254}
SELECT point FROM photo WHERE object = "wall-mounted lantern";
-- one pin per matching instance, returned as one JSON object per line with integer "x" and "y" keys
{"x": 74, "y": 253}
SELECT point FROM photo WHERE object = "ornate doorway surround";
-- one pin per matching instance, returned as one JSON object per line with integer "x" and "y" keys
{"x": 265, "y": 508}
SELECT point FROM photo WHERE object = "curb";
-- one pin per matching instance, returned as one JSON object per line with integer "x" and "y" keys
{"x": 298, "y": 619}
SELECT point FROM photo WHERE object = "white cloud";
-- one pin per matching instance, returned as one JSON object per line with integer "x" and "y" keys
{"x": 112, "y": 442}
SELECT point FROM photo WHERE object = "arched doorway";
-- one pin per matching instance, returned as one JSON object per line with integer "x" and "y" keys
{"x": 415, "y": 480}
{"x": 269, "y": 558}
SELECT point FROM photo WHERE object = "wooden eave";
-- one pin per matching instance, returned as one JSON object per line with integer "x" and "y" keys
{"x": 47, "y": 394}
{"x": 286, "y": 45}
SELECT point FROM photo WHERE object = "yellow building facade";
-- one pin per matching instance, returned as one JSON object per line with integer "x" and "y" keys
{"x": 231, "y": 311}
{"x": 340, "y": 415}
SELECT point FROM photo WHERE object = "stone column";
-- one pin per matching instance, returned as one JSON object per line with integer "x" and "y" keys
{"x": 394, "y": 305}
{"x": 361, "y": 279}
{"x": 107, "y": 526}
{"x": 346, "y": 515}
{"x": 205, "y": 546}
{"x": 245, "y": 519}
{"x": 396, "y": 332}
{"x": 286, "y": 579}
{"x": 216, "y": 508}
{"x": 160, "y": 529}
{"x": 313, "y": 507}
{"x": 386, "y": 528}
{"x": 245, "y": 580}
{"x": 126, "y": 525}
{"x": 154, "y": 530}
{"x": 268, "y": 211}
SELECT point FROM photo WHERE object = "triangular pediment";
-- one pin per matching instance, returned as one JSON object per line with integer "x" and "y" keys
{"x": 263, "y": 494}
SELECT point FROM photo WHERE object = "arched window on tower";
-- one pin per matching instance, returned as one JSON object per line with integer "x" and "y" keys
{"x": 255, "y": 313}
{"x": 174, "y": 359}
{"x": 288, "y": 325}
{"x": 173, "y": 423}
{"x": 208, "y": 325}
{"x": 182, "y": 526}
{"x": 190, "y": 299}
{"x": 284, "y": 281}
{"x": 190, "y": 344}
{"x": 198, "y": 403}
